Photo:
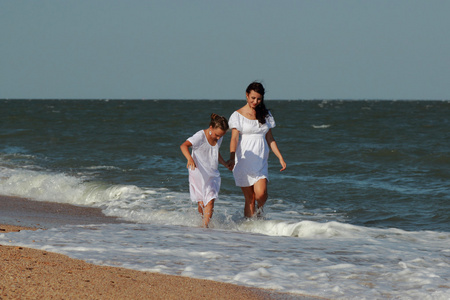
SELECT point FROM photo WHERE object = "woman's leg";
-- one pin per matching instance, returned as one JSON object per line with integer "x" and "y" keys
{"x": 260, "y": 190}
{"x": 249, "y": 195}
{"x": 254, "y": 194}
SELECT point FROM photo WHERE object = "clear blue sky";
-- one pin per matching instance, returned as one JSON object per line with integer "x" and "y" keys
{"x": 109, "y": 49}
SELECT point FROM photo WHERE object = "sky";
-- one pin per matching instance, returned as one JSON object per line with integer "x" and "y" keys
{"x": 133, "y": 49}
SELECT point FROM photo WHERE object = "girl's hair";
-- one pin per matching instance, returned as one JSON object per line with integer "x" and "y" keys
{"x": 261, "y": 110}
{"x": 218, "y": 122}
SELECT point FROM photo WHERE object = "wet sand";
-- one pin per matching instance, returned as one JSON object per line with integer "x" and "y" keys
{"x": 34, "y": 274}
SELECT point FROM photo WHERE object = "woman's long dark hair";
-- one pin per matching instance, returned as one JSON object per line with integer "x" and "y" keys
{"x": 261, "y": 110}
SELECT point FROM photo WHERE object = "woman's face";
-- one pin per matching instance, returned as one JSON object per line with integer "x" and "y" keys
{"x": 254, "y": 99}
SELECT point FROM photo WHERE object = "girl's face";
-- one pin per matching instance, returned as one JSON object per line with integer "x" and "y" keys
{"x": 254, "y": 99}
{"x": 216, "y": 133}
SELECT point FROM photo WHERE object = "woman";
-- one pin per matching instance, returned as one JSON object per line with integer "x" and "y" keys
{"x": 249, "y": 155}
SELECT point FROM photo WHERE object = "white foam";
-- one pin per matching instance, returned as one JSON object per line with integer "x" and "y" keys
{"x": 329, "y": 259}
{"x": 59, "y": 187}
{"x": 324, "y": 126}
{"x": 372, "y": 264}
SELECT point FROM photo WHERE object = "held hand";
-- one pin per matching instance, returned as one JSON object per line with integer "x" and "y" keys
{"x": 191, "y": 164}
{"x": 230, "y": 164}
{"x": 283, "y": 165}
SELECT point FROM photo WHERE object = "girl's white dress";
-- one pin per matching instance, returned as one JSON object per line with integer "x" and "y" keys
{"x": 252, "y": 152}
{"x": 204, "y": 180}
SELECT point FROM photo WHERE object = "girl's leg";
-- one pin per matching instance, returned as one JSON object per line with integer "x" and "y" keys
{"x": 200, "y": 207}
{"x": 208, "y": 212}
{"x": 249, "y": 195}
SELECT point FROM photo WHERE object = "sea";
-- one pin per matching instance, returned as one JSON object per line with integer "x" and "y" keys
{"x": 361, "y": 212}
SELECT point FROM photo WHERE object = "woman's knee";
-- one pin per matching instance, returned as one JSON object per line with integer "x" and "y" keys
{"x": 261, "y": 193}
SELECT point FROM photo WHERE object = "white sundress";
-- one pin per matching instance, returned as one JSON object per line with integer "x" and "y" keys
{"x": 204, "y": 180}
{"x": 252, "y": 152}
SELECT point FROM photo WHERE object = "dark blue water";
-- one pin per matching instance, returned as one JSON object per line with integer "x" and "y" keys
{"x": 379, "y": 164}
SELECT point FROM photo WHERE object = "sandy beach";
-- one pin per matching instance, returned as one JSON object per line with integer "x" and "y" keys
{"x": 34, "y": 274}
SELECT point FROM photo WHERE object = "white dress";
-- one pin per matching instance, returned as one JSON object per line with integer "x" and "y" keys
{"x": 204, "y": 180}
{"x": 252, "y": 151}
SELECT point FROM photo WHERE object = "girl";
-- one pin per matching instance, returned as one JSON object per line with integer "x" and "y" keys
{"x": 204, "y": 176}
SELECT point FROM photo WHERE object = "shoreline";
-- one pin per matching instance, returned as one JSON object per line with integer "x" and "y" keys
{"x": 44, "y": 215}
{"x": 31, "y": 273}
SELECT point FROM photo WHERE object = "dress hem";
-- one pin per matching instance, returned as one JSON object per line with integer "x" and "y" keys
{"x": 259, "y": 178}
